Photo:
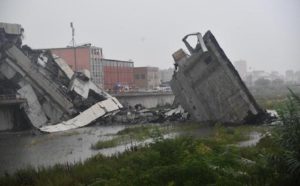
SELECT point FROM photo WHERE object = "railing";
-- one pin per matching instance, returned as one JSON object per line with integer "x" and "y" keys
{"x": 142, "y": 93}
{"x": 5, "y": 97}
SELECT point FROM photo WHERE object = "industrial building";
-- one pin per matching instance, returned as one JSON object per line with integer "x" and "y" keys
{"x": 146, "y": 77}
{"x": 118, "y": 75}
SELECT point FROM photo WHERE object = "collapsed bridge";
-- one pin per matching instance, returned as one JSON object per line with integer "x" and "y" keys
{"x": 53, "y": 97}
{"x": 57, "y": 98}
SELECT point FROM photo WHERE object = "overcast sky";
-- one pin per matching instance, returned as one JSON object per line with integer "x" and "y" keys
{"x": 265, "y": 33}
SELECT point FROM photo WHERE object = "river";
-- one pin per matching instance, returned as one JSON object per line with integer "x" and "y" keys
{"x": 22, "y": 149}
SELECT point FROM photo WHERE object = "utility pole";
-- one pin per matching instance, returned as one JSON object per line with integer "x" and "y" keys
{"x": 73, "y": 44}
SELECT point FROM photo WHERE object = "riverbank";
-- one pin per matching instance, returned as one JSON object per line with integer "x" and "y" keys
{"x": 187, "y": 159}
{"x": 20, "y": 150}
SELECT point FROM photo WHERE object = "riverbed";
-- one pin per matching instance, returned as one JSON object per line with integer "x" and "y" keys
{"x": 22, "y": 149}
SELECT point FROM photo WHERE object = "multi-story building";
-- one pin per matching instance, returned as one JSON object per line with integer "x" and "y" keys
{"x": 241, "y": 67}
{"x": 117, "y": 74}
{"x": 146, "y": 77}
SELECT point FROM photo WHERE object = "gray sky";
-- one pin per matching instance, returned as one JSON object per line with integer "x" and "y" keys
{"x": 266, "y": 33}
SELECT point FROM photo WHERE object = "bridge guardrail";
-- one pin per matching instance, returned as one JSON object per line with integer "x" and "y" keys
{"x": 11, "y": 97}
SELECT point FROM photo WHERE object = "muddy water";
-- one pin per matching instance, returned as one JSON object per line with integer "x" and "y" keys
{"x": 20, "y": 150}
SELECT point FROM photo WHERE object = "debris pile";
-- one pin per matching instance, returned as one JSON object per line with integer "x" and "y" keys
{"x": 57, "y": 98}
{"x": 208, "y": 87}
{"x": 141, "y": 115}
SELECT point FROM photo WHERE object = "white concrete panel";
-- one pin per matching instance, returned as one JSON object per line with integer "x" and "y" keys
{"x": 86, "y": 117}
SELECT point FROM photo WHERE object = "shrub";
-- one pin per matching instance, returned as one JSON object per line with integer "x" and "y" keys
{"x": 288, "y": 138}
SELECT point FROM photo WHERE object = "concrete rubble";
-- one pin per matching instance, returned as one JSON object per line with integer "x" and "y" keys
{"x": 141, "y": 115}
{"x": 208, "y": 87}
{"x": 57, "y": 98}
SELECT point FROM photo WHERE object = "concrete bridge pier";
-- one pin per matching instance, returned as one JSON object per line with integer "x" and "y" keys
{"x": 11, "y": 116}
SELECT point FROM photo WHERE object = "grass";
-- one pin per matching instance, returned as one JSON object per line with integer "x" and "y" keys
{"x": 138, "y": 132}
{"x": 128, "y": 135}
{"x": 106, "y": 144}
{"x": 231, "y": 135}
{"x": 187, "y": 126}
{"x": 272, "y": 103}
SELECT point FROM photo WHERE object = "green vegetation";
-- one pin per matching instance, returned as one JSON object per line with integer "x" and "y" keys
{"x": 214, "y": 160}
{"x": 272, "y": 97}
{"x": 272, "y": 103}
{"x": 130, "y": 134}
{"x": 230, "y": 135}
{"x": 107, "y": 143}
{"x": 138, "y": 132}
{"x": 286, "y": 157}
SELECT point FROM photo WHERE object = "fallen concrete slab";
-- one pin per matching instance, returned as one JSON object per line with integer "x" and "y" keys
{"x": 86, "y": 117}
{"x": 208, "y": 87}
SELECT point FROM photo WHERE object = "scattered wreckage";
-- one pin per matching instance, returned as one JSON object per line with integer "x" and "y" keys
{"x": 208, "y": 87}
{"x": 141, "y": 115}
{"x": 57, "y": 98}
